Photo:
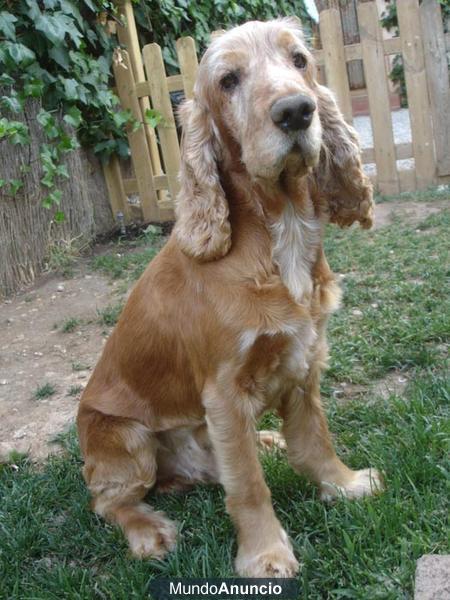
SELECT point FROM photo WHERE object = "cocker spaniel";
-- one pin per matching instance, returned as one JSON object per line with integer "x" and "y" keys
{"x": 228, "y": 321}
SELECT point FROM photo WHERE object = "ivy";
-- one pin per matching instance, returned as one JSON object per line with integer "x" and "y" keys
{"x": 57, "y": 52}
{"x": 164, "y": 21}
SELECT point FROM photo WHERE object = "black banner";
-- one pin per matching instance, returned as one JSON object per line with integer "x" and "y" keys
{"x": 237, "y": 588}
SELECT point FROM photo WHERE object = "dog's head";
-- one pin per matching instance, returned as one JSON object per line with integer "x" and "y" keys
{"x": 257, "y": 106}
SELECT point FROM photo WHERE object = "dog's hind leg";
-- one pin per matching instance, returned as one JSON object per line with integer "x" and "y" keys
{"x": 120, "y": 468}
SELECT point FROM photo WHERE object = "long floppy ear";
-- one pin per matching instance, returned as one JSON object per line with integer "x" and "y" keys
{"x": 339, "y": 183}
{"x": 202, "y": 227}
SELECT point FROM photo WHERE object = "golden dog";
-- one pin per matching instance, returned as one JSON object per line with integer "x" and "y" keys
{"x": 228, "y": 321}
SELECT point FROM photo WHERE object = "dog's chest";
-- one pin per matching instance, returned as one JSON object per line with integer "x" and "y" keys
{"x": 296, "y": 240}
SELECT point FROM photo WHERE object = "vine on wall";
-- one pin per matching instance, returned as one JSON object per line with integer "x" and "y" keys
{"x": 58, "y": 51}
{"x": 164, "y": 21}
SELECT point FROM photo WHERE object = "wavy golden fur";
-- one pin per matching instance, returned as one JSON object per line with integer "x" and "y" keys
{"x": 228, "y": 321}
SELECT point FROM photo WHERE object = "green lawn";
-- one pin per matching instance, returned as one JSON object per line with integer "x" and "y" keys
{"x": 52, "y": 546}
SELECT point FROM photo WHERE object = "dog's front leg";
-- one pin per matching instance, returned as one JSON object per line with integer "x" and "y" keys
{"x": 310, "y": 449}
{"x": 263, "y": 546}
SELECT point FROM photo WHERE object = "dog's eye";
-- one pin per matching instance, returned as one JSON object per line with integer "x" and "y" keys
{"x": 299, "y": 60}
{"x": 229, "y": 81}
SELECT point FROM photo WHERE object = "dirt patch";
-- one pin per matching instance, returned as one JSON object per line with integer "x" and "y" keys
{"x": 392, "y": 384}
{"x": 408, "y": 211}
{"x": 35, "y": 351}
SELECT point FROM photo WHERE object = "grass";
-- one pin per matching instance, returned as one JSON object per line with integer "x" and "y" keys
{"x": 63, "y": 255}
{"x": 121, "y": 263}
{"x": 396, "y": 277}
{"x": 74, "y": 390}
{"x": 110, "y": 314}
{"x": 44, "y": 391}
{"x": 431, "y": 194}
{"x": 79, "y": 366}
{"x": 70, "y": 325}
{"x": 52, "y": 546}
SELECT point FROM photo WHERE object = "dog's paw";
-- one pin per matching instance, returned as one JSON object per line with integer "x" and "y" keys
{"x": 271, "y": 439}
{"x": 152, "y": 537}
{"x": 276, "y": 561}
{"x": 366, "y": 482}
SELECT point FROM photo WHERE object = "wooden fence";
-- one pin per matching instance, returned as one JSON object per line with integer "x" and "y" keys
{"x": 142, "y": 83}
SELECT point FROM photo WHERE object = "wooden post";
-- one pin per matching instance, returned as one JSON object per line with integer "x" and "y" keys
{"x": 438, "y": 80}
{"x": 335, "y": 64}
{"x": 417, "y": 91}
{"x": 187, "y": 58}
{"x": 378, "y": 92}
{"x": 160, "y": 97}
{"x": 140, "y": 154}
{"x": 128, "y": 37}
{"x": 116, "y": 191}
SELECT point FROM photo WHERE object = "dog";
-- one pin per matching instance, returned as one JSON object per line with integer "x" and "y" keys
{"x": 228, "y": 321}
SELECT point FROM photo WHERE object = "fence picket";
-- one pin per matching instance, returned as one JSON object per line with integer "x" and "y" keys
{"x": 116, "y": 190}
{"x": 438, "y": 80}
{"x": 140, "y": 154}
{"x": 334, "y": 58}
{"x": 417, "y": 91}
{"x": 378, "y": 93}
{"x": 129, "y": 38}
{"x": 187, "y": 58}
{"x": 160, "y": 97}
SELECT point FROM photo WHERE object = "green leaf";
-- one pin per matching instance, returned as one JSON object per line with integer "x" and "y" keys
{"x": 15, "y": 131}
{"x": 33, "y": 9}
{"x": 152, "y": 117}
{"x": 44, "y": 118}
{"x": 67, "y": 143}
{"x": 70, "y": 88}
{"x": 48, "y": 123}
{"x": 122, "y": 148}
{"x": 34, "y": 88}
{"x": 73, "y": 116}
{"x": 11, "y": 103}
{"x": 69, "y": 8}
{"x": 5, "y": 79}
{"x": 107, "y": 146}
{"x": 61, "y": 56}
{"x": 19, "y": 54}
{"x": 61, "y": 171}
{"x": 36, "y": 71}
{"x": 121, "y": 117}
{"x": 52, "y": 199}
{"x": 15, "y": 185}
{"x": 52, "y": 27}
{"x": 47, "y": 202}
{"x": 59, "y": 216}
{"x": 7, "y": 26}
{"x": 56, "y": 26}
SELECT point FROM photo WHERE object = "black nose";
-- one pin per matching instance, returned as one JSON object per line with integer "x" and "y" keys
{"x": 293, "y": 112}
